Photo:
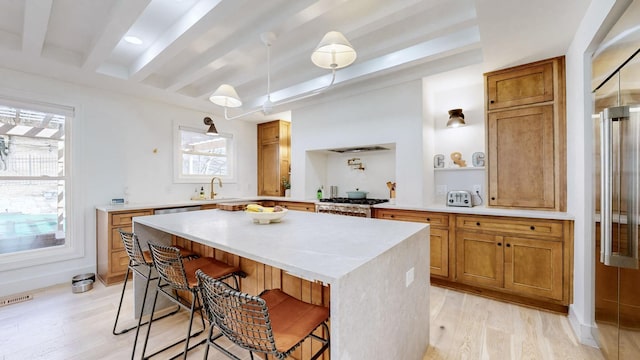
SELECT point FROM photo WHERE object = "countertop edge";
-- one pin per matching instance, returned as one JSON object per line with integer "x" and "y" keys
{"x": 476, "y": 210}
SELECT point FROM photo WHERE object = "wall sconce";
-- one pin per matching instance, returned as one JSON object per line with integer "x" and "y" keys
{"x": 456, "y": 118}
{"x": 212, "y": 128}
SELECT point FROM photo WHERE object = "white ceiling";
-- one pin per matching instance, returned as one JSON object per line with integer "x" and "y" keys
{"x": 192, "y": 46}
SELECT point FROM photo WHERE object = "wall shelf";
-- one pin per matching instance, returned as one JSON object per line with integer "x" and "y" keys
{"x": 468, "y": 168}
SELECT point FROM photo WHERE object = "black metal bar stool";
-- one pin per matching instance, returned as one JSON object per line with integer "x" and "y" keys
{"x": 273, "y": 323}
{"x": 141, "y": 263}
{"x": 176, "y": 275}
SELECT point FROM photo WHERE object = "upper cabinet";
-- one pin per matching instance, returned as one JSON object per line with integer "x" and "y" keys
{"x": 274, "y": 157}
{"x": 526, "y": 136}
{"x": 531, "y": 84}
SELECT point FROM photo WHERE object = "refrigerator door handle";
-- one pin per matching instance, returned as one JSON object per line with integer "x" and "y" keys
{"x": 628, "y": 156}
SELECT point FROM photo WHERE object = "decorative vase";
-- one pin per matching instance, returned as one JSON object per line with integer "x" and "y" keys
{"x": 287, "y": 192}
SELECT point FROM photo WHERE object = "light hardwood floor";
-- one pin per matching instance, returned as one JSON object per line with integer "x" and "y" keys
{"x": 58, "y": 324}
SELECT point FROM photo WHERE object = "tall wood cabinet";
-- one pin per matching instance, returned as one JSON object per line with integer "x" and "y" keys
{"x": 274, "y": 156}
{"x": 526, "y": 136}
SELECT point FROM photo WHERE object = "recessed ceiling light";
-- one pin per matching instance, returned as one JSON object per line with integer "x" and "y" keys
{"x": 133, "y": 40}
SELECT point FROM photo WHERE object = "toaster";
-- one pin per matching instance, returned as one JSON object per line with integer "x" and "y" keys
{"x": 459, "y": 198}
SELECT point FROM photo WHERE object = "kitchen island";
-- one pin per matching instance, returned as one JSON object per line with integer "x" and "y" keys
{"x": 377, "y": 270}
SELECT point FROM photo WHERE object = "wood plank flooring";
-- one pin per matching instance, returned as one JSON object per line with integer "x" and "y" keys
{"x": 58, "y": 324}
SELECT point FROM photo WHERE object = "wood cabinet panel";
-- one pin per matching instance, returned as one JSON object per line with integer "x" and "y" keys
{"x": 530, "y": 258}
{"x": 434, "y": 219}
{"x": 439, "y": 252}
{"x": 438, "y": 234}
{"x": 530, "y": 227}
{"x": 533, "y": 267}
{"x": 112, "y": 260}
{"x": 478, "y": 261}
{"x": 299, "y": 206}
{"x": 526, "y": 136}
{"x": 527, "y": 85}
{"x": 274, "y": 142}
{"x": 521, "y": 158}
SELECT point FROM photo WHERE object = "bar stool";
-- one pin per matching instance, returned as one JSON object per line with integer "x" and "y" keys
{"x": 141, "y": 263}
{"x": 273, "y": 323}
{"x": 176, "y": 275}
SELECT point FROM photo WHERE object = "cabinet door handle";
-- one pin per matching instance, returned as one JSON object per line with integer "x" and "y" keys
{"x": 532, "y": 227}
{"x": 499, "y": 244}
{"x": 392, "y": 216}
{"x": 508, "y": 245}
{"x": 493, "y": 198}
{"x": 492, "y": 101}
{"x": 428, "y": 219}
{"x": 478, "y": 223}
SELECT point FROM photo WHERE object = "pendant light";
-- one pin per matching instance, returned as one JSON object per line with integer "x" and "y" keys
{"x": 333, "y": 52}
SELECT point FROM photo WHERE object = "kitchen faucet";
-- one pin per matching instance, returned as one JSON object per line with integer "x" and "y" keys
{"x": 212, "y": 195}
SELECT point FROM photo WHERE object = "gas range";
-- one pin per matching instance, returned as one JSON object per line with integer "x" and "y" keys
{"x": 341, "y": 200}
{"x": 346, "y": 206}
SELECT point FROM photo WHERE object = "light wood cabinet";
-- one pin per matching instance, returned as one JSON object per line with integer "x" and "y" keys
{"x": 296, "y": 205}
{"x": 112, "y": 259}
{"x": 274, "y": 142}
{"x": 438, "y": 237}
{"x": 526, "y": 136}
{"x": 525, "y": 257}
{"x": 525, "y": 85}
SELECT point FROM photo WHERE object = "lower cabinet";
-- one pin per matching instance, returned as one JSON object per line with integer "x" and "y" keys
{"x": 112, "y": 259}
{"x": 521, "y": 260}
{"x": 518, "y": 256}
{"x": 522, "y": 266}
{"x": 438, "y": 238}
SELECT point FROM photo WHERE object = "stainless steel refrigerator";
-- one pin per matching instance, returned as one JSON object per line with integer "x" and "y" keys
{"x": 617, "y": 128}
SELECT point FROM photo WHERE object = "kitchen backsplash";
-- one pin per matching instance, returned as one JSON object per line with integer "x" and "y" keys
{"x": 367, "y": 171}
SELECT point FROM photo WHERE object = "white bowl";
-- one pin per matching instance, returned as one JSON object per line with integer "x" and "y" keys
{"x": 266, "y": 217}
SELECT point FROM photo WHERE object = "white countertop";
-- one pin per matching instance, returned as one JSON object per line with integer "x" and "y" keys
{"x": 313, "y": 246}
{"x": 476, "y": 210}
{"x": 482, "y": 210}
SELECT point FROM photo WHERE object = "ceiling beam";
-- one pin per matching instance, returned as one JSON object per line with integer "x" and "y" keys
{"x": 175, "y": 38}
{"x": 460, "y": 40}
{"x": 121, "y": 18}
{"x": 218, "y": 56}
{"x": 36, "y": 22}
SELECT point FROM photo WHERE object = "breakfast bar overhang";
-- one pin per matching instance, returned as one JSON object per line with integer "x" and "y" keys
{"x": 377, "y": 270}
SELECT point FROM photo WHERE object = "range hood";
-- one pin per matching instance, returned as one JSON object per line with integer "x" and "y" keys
{"x": 359, "y": 149}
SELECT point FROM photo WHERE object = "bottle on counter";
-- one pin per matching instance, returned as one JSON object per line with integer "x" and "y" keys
{"x": 202, "y": 192}
{"x": 319, "y": 193}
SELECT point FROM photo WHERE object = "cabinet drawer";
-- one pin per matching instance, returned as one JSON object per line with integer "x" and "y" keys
{"x": 119, "y": 262}
{"x": 300, "y": 206}
{"x": 116, "y": 241}
{"x": 541, "y": 228}
{"x": 119, "y": 219}
{"x": 434, "y": 219}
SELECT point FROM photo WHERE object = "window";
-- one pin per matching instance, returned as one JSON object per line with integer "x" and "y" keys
{"x": 33, "y": 179}
{"x": 201, "y": 156}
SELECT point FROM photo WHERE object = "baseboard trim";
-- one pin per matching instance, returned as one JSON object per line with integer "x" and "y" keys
{"x": 584, "y": 332}
{"x": 45, "y": 279}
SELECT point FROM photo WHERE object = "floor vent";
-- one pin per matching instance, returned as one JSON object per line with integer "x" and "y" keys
{"x": 15, "y": 299}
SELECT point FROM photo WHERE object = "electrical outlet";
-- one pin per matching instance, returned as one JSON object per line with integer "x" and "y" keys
{"x": 441, "y": 190}
{"x": 477, "y": 189}
{"x": 409, "y": 277}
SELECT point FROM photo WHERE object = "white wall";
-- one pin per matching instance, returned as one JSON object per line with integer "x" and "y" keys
{"x": 594, "y": 26}
{"x": 379, "y": 167}
{"x": 113, "y": 142}
{"x": 391, "y": 115}
{"x": 458, "y": 89}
